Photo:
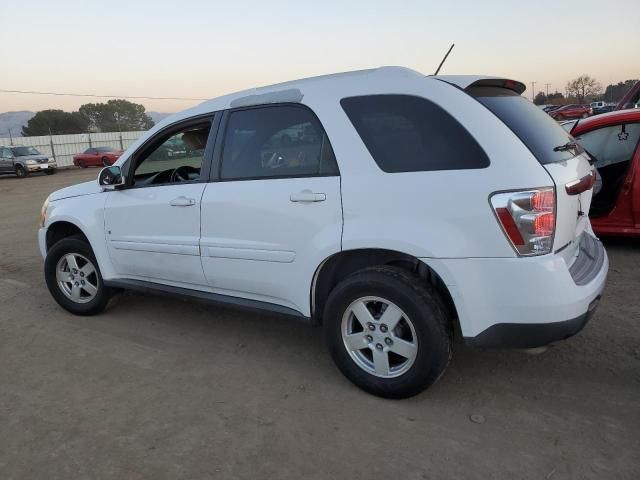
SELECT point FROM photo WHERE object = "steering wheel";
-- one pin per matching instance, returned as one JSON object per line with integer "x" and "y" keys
{"x": 181, "y": 174}
{"x": 275, "y": 161}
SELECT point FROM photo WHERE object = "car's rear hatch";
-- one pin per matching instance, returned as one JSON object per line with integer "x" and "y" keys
{"x": 567, "y": 164}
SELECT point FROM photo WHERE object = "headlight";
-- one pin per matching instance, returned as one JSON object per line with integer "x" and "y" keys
{"x": 43, "y": 212}
{"x": 30, "y": 162}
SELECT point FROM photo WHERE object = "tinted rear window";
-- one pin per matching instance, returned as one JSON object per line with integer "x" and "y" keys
{"x": 404, "y": 133}
{"x": 537, "y": 130}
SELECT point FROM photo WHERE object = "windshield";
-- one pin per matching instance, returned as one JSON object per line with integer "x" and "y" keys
{"x": 105, "y": 149}
{"x": 537, "y": 130}
{"x": 24, "y": 151}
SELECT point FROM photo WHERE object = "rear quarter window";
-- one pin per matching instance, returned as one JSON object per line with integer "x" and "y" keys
{"x": 404, "y": 133}
{"x": 535, "y": 128}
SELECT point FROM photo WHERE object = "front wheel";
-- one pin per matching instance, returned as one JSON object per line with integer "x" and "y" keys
{"x": 106, "y": 162}
{"x": 388, "y": 332}
{"x": 21, "y": 172}
{"x": 73, "y": 277}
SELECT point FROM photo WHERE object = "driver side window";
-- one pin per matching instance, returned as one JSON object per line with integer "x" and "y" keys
{"x": 176, "y": 158}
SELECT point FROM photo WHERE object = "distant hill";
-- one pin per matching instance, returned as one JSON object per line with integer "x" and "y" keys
{"x": 16, "y": 120}
{"x": 158, "y": 116}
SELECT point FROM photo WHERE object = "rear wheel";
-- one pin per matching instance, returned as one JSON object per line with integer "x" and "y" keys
{"x": 74, "y": 279}
{"x": 50, "y": 171}
{"x": 21, "y": 172}
{"x": 388, "y": 332}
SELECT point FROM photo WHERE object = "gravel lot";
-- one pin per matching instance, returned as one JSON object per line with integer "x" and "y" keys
{"x": 160, "y": 388}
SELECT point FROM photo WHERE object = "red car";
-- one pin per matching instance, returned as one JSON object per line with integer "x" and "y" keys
{"x": 97, "y": 157}
{"x": 612, "y": 139}
{"x": 569, "y": 112}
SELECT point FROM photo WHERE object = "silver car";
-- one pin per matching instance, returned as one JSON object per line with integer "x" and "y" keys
{"x": 23, "y": 160}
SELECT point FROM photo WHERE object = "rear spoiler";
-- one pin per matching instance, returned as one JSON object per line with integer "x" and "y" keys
{"x": 514, "y": 85}
{"x": 465, "y": 84}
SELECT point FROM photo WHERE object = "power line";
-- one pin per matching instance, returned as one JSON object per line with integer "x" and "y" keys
{"x": 59, "y": 94}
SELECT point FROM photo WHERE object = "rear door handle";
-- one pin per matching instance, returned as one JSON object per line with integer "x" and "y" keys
{"x": 182, "y": 202}
{"x": 307, "y": 196}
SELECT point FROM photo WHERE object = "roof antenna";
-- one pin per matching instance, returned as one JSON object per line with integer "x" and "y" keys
{"x": 445, "y": 58}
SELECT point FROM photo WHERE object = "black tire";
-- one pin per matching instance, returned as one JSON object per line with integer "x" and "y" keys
{"x": 82, "y": 165}
{"x": 79, "y": 246}
{"x": 21, "y": 172}
{"x": 419, "y": 302}
{"x": 50, "y": 171}
{"x": 105, "y": 162}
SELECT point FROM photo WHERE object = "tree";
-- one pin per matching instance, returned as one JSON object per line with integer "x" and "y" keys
{"x": 583, "y": 87}
{"x": 614, "y": 93}
{"x": 55, "y": 122}
{"x": 555, "y": 96}
{"x": 540, "y": 99}
{"x": 116, "y": 115}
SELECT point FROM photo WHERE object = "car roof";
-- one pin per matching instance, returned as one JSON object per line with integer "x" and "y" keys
{"x": 609, "y": 118}
{"x": 295, "y": 90}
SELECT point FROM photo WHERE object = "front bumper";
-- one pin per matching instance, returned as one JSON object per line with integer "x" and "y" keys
{"x": 525, "y": 302}
{"x": 42, "y": 241}
{"x": 38, "y": 167}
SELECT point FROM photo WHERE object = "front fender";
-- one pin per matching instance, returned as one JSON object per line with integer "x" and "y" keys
{"x": 87, "y": 214}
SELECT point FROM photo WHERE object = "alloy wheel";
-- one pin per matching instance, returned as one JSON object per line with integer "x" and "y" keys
{"x": 379, "y": 337}
{"x": 77, "y": 278}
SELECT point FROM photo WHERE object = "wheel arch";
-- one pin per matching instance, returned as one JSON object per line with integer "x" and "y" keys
{"x": 61, "y": 229}
{"x": 341, "y": 264}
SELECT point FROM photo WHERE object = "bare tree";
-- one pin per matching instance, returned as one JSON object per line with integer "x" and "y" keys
{"x": 583, "y": 87}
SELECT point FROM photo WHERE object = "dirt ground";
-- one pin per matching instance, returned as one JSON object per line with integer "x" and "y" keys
{"x": 159, "y": 388}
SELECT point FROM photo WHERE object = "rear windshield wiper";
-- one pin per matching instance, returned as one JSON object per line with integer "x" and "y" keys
{"x": 570, "y": 145}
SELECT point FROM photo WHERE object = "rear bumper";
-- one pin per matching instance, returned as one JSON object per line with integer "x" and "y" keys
{"x": 525, "y": 302}
{"x": 522, "y": 335}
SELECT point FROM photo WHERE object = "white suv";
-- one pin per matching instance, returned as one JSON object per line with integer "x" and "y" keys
{"x": 394, "y": 209}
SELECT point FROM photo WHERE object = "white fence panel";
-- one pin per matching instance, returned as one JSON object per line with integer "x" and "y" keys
{"x": 64, "y": 147}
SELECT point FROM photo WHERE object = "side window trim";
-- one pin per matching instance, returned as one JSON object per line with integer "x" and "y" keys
{"x": 220, "y": 139}
{"x": 213, "y": 117}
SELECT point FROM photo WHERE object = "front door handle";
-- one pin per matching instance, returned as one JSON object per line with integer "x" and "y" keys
{"x": 182, "y": 202}
{"x": 307, "y": 196}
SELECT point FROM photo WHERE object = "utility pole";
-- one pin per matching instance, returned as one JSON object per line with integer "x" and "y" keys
{"x": 10, "y": 138}
{"x": 533, "y": 90}
{"x": 547, "y": 85}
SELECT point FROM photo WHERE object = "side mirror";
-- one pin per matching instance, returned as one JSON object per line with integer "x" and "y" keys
{"x": 110, "y": 178}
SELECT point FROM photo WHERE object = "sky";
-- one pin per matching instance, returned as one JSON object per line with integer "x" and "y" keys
{"x": 203, "y": 49}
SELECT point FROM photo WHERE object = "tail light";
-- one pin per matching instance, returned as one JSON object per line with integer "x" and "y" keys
{"x": 528, "y": 219}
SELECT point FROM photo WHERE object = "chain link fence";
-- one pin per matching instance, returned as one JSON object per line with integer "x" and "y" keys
{"x": 63, "y": 147}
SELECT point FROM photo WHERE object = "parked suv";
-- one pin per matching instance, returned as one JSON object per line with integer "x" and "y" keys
{"x": 25, "y": 160}
{"x": 392, "y": 208}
